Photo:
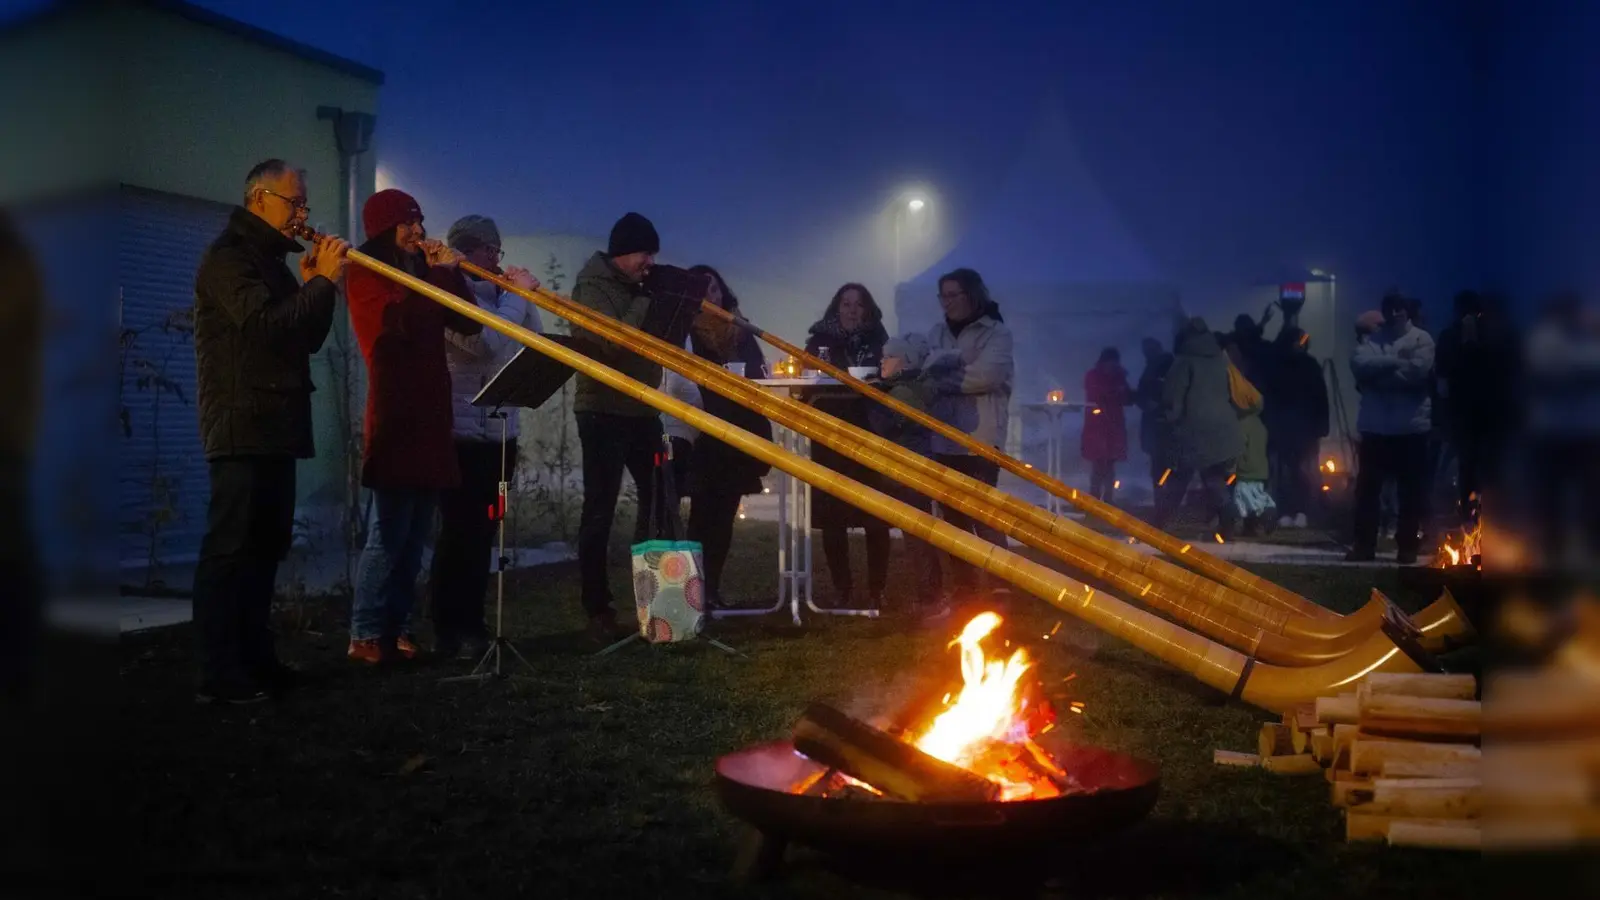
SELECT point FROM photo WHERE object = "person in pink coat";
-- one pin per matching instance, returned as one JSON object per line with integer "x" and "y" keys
{"x": 1105, "y": 428}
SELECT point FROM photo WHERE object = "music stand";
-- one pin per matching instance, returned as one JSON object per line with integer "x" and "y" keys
{"x": 526, "y": 382}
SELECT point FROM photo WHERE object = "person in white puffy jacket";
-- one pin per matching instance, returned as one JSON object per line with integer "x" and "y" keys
{"x": 459, "y": 578}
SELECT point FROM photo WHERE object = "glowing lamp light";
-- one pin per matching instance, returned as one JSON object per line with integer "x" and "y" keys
{"x": 1329, "y": 466}
{"x": 1056, "y": 397}
{"x": 916, "y": 205}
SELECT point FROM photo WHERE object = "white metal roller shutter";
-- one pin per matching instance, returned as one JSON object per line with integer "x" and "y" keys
{"x": 163, "y": 483}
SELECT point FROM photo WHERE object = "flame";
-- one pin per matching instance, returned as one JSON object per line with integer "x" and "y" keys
{"x": 1329, "y": 466}
{"x": 1466, "y": 548}
{"x": 1055, "y": 396}
{"x": 986, "y": 729}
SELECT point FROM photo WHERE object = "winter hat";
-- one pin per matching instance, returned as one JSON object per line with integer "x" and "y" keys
{"x": 633, "y": 233}
{"x": 1369, "y": 322}
{"x": 387, "y": 209}
{"x": 911, "y": 347}
{"x": 471, "y": 232}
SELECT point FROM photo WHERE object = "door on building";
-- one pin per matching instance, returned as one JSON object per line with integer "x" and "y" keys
{"x": 163, "y": 485}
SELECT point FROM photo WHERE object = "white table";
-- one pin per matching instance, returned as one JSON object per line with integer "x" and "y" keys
{"x": 1054, "y": 408}
{"x": 795, "y": 581}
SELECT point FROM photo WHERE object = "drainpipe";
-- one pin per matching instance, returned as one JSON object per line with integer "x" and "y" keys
{"x": 352, "y": 132}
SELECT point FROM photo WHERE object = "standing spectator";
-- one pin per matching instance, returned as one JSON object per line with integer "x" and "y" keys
{"x": 1476, "y": 368}
{"x": 255, "y": 328}
{"x": 1252, "y": 503}
{"x": 1153, "y": 437}
{"x": 723, "y": 476}
{"x": 409, "y": 453}
{"x": 1392, "y": 370}
{"x": 459, "y": 576}
{"x": 1105, "y": 430}
{"x": 1203, "y": 427}
{"x": 850, "y": 333}
{"x": 973, "y": 337}
{"x": 1294, "y": 439}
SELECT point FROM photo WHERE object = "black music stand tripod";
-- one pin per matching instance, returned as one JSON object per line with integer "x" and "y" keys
{"x": 527, "y": 381}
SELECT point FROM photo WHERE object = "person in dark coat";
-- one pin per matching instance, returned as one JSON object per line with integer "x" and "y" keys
{"x": 1476, "y": 368}
{"x": 1295, "y": 435}
{"x": 850, "y": 333}
{"x": 1147, "y": 396}
{"x": 1204, "y": 436}
{"x": 255, "y": 328}
{"x": 409, "y": 455}
{"x": 618, "y": 433}
{"x": 721, "y": 476}
{"x": 1105, "y": 429}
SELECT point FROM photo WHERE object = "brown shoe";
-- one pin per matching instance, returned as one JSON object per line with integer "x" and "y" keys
{"x": 366, "y": 651}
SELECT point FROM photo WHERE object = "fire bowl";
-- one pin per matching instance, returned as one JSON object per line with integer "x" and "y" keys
{"x": 756, "y": 785}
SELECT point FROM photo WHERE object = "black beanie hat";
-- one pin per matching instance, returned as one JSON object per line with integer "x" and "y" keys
{"x": 633, "y": 233}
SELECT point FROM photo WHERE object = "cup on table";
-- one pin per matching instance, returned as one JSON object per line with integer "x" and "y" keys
{"x": 736, "y": 368}
{"x": 863, "y": 372}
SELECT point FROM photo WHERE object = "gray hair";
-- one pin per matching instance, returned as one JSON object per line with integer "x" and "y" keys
{"x": 267, "y": 170}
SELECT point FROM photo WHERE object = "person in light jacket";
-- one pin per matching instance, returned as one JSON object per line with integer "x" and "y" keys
{"x": 1203, "y": 436}
{"x": 1393, "y": 370}
{"x": 974, "y": 338}
{"x": 459, "y": 576}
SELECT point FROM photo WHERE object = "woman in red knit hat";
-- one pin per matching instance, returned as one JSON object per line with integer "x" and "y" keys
{"x": 409, "y": 453}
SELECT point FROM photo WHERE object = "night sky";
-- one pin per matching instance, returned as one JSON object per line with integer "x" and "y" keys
{"x": 1236, "y": 142}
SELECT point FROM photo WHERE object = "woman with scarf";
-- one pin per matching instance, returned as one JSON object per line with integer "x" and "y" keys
{"x": 851, "y": 333}
{"x": 721, "y": 475}
{"x": 409, "y": 452}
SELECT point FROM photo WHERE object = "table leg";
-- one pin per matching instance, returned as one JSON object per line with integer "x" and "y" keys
{"x": 786, "y": 584}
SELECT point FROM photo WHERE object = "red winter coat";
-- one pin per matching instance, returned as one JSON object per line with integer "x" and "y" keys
{"x": 1105, "y": 434}
{"x": 409, "y": 439}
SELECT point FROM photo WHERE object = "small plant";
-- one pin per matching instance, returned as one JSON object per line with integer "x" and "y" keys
{"x": 149, "y": 376}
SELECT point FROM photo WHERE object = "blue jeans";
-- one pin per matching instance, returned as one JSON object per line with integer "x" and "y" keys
{"x": 386, "y": 581}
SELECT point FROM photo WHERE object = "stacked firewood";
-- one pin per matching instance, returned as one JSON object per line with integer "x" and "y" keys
{"x": 1401, "y": 753}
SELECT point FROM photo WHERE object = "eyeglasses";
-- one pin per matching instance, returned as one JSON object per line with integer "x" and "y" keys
{"x": 295, "y": 203}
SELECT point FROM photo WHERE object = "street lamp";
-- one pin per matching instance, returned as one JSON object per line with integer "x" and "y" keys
{"x": 911, "y": 207}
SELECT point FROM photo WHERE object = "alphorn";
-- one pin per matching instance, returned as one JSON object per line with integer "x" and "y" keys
{"x": 1266, "y": 686}
{"x": 1168, "y": 589}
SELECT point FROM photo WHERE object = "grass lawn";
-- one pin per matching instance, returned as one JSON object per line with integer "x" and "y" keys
{"x": 593, "y": 780}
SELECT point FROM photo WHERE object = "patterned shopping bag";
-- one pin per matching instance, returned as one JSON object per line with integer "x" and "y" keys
{"x": 668, "y": 573}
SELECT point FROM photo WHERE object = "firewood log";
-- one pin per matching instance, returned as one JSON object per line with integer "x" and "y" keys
{"x": 1275, "y": 740}
{"x": 1360, "y": 826}
{"x": 1544, "y": 705}
{"x": 1340, "y": 710}
{"x": 1422, "y": 684}
{"x": 1439, "y": 798}
{"x": 894, "y": 767}
{"x": 1234, "y": 758}
{"x": 1341, "y": 793}
{"x": 1322, "y": 747}
{"x": 1414, "y": 759}
{"x": 1292, "y": 764}
{"x": 1426, "y": 718}
{"x": 1436, "y": 835}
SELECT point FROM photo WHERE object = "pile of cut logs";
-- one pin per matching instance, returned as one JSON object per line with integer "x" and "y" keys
{"x": 1401, "y": 753}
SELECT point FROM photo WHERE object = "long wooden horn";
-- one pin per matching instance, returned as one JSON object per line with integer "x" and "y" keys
{"x": 1272, "y": 634}
{"x": 1266, "y": 686}
{"x": 1216, "y": 569}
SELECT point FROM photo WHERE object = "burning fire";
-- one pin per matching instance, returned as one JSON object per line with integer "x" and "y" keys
{"x": 989, "y": 728}
{"x": 1330, "y": 467}
{"x": 1465, "y": 549}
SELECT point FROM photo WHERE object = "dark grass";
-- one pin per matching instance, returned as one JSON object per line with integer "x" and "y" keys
{"x": 593, "y": 779}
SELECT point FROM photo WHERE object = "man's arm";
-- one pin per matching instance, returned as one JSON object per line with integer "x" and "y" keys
{"x": 1368, "y": 362}
{"x": 1417, "y": 363}
{"x": 450, "y": 278}
{"x": 238, "y": 288}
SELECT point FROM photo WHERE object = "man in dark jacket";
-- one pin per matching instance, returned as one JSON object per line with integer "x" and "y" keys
{"x": 1203, "y": 427}
{"x": 255, "y": 330}
{"x": 1295, "y": 434}
{"x": 617, "y": 432}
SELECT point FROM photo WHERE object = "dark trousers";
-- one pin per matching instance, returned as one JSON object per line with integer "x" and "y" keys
{"x": 22, "y": 610}
{"x": 1403, "y": 457}
{"x": 836, "y": 550}
{"x": 249, "y": 527}
{"x": 1103, "y": 479}
{"x": 612, "y": 444}
{"x": 1213, "y": 482}
{"x": 1292, "y": 464}
{"x": 459, "y": 576}
{"x": 963, "y": 575}
{"x": 712, "y": 512}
